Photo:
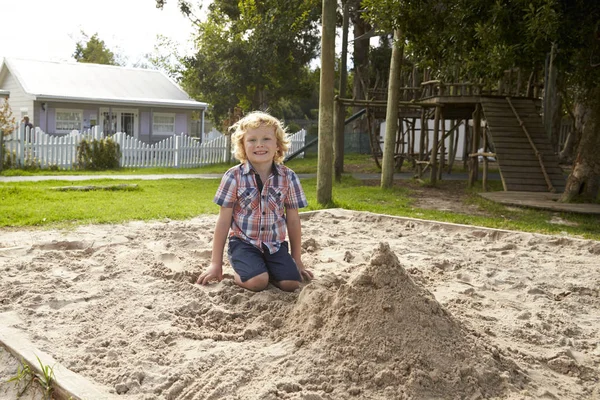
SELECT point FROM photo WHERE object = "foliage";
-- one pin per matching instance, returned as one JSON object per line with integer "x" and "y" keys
{"x": 98, "y": 154}
{"x": 7, "y": 127}
{"x": 7, "y": 120}
{"x": 165, "y": 57}
{"x": 30, "y": 164}
{"x": 250, "y": 54}
{"x": 9, "y": 159}
{"x": 94, "y": 51}
{"x": 25, "y": 376}
{"x": 22, "y": 379}
{"x": 485, "y": 38}
{"x": 46, "y": 379}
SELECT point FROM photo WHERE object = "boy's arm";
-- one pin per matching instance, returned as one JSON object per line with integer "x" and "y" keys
{"x": 295, "y": 235}
{"x": 215, "y": 271}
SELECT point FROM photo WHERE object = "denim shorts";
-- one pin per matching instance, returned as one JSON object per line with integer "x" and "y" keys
{"x": 248, "y": 261}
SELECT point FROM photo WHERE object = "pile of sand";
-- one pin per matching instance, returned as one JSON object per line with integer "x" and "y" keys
{"x": 400, "y": 309}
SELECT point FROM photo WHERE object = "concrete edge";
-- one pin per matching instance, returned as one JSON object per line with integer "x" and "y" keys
{"x": 67, "y": 384}
{"x": 547, "y": 202}
{"x": 442, "y": 224}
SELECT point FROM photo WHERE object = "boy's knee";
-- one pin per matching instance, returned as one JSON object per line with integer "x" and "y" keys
{"x": 288, "y": 286}
{"x": 257, "y": 283}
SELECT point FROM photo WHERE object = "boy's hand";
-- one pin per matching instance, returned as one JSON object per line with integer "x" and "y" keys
{"x": 213, "y": 272}
{"x": 305, "y": 274}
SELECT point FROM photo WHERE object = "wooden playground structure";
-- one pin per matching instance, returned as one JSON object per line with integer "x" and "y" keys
{"x": 503, "y": 123}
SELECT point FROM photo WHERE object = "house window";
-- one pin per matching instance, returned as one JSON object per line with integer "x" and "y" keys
{"x": 163, "y": 124}
{"x": 68, "y": 120}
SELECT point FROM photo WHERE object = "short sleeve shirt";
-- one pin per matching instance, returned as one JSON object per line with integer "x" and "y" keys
{"x": 259, "y": 216}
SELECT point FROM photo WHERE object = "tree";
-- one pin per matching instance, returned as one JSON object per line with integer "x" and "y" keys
{"x": 165, "y": 57}
{"x": 251, "y": 54}
{"x": 7, "y": 120}
{"x": 486, "y": 39}
{"x": 7, "y": 127}
{"x": 94, "y": 50}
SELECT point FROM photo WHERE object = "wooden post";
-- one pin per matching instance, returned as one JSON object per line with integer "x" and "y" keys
{"x": 1, "y": 149}
{"x": 391, "y": 116}
{"x": 549, "y": 91}
{"x": 422, "y": 142}
{"x": 411, "y": 148}
{"x": 473, "y": 161}
{"x": 326, "y": 94}
{"x": 338, "y": 138}
{"x": 338, "y": 111}
{"x": 452, "y": 148}
{"x": 485, "y": 163}
{"x": 465, "y": 154}
{"x": 434, "y": 148}
{"x": 442, "y": 146}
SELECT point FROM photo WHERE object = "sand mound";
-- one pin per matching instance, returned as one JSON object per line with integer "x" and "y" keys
{"x": 391, "y": 339}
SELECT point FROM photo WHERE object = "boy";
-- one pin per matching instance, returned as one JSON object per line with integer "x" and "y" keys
{"x": 259, "y": 200}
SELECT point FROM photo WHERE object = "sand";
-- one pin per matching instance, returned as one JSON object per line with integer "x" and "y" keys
{"x": 399, "y": 309}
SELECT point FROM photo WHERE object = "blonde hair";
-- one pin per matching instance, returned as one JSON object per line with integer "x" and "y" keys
{"x": 256, "y": 119}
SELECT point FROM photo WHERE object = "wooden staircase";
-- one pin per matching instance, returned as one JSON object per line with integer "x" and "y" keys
{"x": 525, "y": 155}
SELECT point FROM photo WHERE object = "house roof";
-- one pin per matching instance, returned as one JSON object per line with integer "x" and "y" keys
{"x": 106, "y": 84}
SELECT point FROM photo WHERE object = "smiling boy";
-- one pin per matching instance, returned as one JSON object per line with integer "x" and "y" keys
{"x": 259, "y": 201}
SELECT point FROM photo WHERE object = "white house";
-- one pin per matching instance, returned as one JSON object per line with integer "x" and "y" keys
{"x": 60, "y": 97}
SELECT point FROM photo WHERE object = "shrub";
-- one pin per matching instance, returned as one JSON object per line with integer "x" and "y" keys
{"x": 293, "y": 128}
{"x": 98, "y": 154}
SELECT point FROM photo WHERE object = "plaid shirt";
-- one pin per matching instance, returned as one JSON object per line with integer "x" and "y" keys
{"x": 258, "y": 218}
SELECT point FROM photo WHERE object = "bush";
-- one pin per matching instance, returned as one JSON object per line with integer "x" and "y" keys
{"x": 8, "y": 158}
{"x": 98, "y": 155}
{"x": 293, "y": 127}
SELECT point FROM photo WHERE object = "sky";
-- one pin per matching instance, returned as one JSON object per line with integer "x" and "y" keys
{"x": 50, "y": 29}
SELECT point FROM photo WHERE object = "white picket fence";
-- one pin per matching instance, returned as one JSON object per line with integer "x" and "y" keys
{"x": 33, "y": 146}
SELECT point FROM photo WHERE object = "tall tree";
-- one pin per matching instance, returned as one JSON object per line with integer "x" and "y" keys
{"x": 252, "y": 53}
{"x": 93, "y": 50}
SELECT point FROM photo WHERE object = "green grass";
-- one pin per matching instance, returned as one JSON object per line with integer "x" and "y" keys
{"x": 39, "y": 204}
{"x": 209, "y": 169}
{"x": 26, "y": 376}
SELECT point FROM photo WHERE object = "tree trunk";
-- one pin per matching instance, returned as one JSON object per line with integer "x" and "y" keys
{"x": 361, "y": 65}
{"x": 391, "y": 117}
{"x": 327, "y": 83}
{"x": 339, "y": 110}
{"x": 583, "y": 182}
{"x": 555, "y": 120}
{"x": 572, "y": 142}
{"x": 259, "y": 101}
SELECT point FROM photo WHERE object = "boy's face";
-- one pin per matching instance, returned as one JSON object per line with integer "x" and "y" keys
{"x": 260, "y": 145}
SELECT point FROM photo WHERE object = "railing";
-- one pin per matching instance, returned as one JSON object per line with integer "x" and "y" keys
{"x": 439, "y": 88}
{"x": 33, "y": 147}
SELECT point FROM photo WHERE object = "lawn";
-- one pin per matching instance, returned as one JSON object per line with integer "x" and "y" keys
{"x": 40, "y": 204}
